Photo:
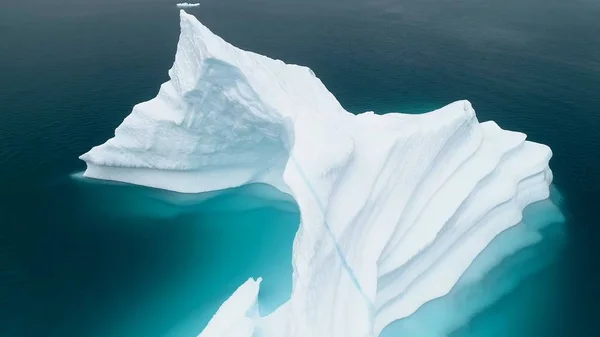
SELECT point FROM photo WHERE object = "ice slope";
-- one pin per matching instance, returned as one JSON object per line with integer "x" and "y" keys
{"x": 394, "y": 208}
{"x": 514, "y": 255}
{"x": 234, "y": 317}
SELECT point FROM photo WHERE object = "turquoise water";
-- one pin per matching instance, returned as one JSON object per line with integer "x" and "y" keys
{"x": 133, "y": 261}
{"x": 81, "y": 258}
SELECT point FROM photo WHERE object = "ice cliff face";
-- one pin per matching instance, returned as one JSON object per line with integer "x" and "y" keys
{"x": 394, "y": 208}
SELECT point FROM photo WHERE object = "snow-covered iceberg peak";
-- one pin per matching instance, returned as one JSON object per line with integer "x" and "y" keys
{"x": 394, "y": 208}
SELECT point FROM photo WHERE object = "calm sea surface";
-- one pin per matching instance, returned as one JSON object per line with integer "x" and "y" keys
{"x": 89, "y": 259}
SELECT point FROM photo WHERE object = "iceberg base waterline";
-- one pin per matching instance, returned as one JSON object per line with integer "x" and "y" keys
{"x": 394, "y": 208}
{"x": 512, "y": 257}
{"x": 180, "y": 181}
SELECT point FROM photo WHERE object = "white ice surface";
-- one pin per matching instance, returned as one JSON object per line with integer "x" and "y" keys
{"x": 394, "y": 208}
{"x": 235, "y": 316}
{"x": 188, "y": 5}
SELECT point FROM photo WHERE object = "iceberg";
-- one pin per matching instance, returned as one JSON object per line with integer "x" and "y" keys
{"x": 187, "y": 5}
{"x": 394, "y": 208}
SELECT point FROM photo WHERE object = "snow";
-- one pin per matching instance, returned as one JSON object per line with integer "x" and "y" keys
{"x": 394, "y": 208}
{"x": 187, "y": 5}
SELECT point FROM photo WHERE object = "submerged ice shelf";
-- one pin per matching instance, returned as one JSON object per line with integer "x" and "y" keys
{"x": 394, "y": 208}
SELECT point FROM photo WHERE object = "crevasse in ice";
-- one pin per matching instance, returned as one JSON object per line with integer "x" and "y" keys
{"x": 394, "y": 208}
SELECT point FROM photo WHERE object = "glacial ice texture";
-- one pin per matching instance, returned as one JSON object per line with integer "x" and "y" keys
{"x": 394, "y": 208}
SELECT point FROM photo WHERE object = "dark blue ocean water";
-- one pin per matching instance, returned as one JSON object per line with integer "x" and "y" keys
{"x": 86, "y": 259}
